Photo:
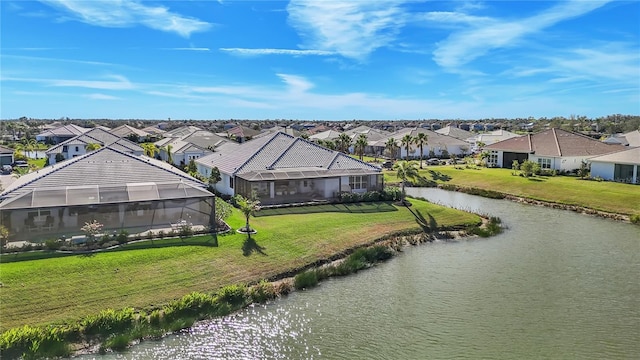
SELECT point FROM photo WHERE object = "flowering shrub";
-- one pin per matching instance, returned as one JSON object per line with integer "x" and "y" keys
{"x": 92, "y": 229}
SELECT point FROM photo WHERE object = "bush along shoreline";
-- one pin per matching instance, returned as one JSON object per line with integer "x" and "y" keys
{"x": 492, "y": 194}
{"x": 115, "y": 330}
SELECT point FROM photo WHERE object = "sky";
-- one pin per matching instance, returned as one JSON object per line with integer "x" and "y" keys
{"x": 319, "y": 59}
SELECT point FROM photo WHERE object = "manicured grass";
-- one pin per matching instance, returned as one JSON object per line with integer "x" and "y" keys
{"x": 603, "y": 196}
{"x": 57, "y": 290}
{"x": 37, "y": 163}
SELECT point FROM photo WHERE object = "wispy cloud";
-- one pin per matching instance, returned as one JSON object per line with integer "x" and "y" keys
{"x": 126, "y": 13}
{"x": 203, "y": 49}
{"x": 354, "y": 29}
{"x": 293, "y": 52}
{"x": 101, "y": 97}
{"x": 467, "y": 45}
{"x": 118, "y": 82}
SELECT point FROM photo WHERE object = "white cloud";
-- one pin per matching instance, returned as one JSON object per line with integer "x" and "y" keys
{"x": 101, "y": 97}
{"x": 354, "y": 29}
{"x": 258, "y": 52}
{"x": 127, "y": 13}
{"x": 203, "y": 49}
{"x": 296, "y": 84}
{"x": 467, "y": 45}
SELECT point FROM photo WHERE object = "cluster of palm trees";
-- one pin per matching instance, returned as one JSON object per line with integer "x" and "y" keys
{"x": 344, "y": 142}
{"x": 420, "y": 140}
{"x": 28, "y": 146}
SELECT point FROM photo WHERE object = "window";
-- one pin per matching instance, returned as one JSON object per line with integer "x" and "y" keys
{"x": 231, "y": 182}
{"x": 65, "y": 148}
{"x": 493, "y": 158}
{"x": 358, "y": 182}
{"x": 544, "y": 163}
{"x": 77, "y": 149}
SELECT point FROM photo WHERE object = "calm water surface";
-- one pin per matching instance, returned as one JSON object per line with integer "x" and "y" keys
{"x": 554, "y": 285}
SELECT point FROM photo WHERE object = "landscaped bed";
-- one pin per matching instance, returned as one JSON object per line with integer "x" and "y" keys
{"x": 65, "y": 289}
{"x": 568, "y": 190}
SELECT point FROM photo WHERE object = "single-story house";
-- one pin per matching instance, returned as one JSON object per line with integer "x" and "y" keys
{"x": 489, "y": 138}
{"x": 60, "y": 134}
{"x": 120, "y": 190}
{"x": 623, "y": 166}
{"x": 77, "y": 146}
{"x": 455, "y": 132}
{"x": 191, "y": 146}
{"x": 441, "y": 145}
{"x": 553, "y": 149}
{"x": 181, "y": 131}
{"x": 6, "y": 156}
{"x": 131, "y": 133}
{"x": 281, "y": 169}
{"x": 325, "y": 135}
{"x": 241, "y": 133}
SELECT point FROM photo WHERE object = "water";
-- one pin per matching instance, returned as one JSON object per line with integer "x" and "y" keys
{"x": 554, "y": 285}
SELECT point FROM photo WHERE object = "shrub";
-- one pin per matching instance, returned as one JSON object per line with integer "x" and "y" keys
{"x": 391, "y": 193}
{"x": 635, "y": 219}
{"x": 233, "y": 294}
{"x": 262, "y": 292}
{"x": 52, "y": 244}
{"x": 307, "y": 279}
{"x": 283, "y": 288}
{"x": 122, "y": 237}
{"x": 34, "y": 342}
{"x": 108, "y": 321}
{"x": 117, "y": 342}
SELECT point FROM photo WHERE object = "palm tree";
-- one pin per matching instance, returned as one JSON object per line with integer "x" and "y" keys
{"x": 93, "y": 147}
{"x": 344, "y": 142}
{"x": 248, "y": 208}
{"x": 406, "y": 170}
{"x": 150, "y": 149}
{"x": 360, "y": 145}
{"x": 406, "y": 141}
{"x": 29, "y": 145}
{"x": 168, "y": 149}
{"x": 392, "y": 146}
{"x": 421, "y": 141}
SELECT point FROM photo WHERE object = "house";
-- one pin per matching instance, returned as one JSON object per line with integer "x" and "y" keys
{"x": 120, "y": 190}
{"x": 181, "y": 131}
{"x": 60, "y": 134}
{"x": 77, "y": 146}
{"x": 623, "y": 166}
{"x": 553, "y": 149}
{"x": 281, "y": 169}
{"x": 325, "y": 135}
{"x": 241, "y": 133}
{"x": 190, "y": 146}
{"x": 455, "y": 132}
{"x": 131, "y": 133}
{"x": 631, "y": 138}
{"x": 441, "y": 145}
{"x": 489, "y": 138}
{"x": 6, "y": 156}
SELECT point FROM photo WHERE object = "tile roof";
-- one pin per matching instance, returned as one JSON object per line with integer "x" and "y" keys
{"x": 105, "y": 167}
{"x": 372, "y": 134}
{"x": 555, "y": 143}
{"x": 433, "y": 138}
{"x": 630, "y": 156}
{"x": 65, "y": 130}
{"x": 181, "y": 131}
{"x": 5, "y": 150}
{"x": 455, "y": 132}
{"x": 325, "y": 135}
{"x": 280, "y": 151}
{"x": 97, "y": 136}
{"x": 633, "y": 137}
{"x": 126, "y": 130}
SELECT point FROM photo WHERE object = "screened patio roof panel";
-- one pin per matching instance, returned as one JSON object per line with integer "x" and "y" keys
{"x": 298, "y": 174}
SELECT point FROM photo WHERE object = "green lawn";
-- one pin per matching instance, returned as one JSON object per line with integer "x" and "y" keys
{"x": 603, "y": 196}
{"x": 61, "y": 289}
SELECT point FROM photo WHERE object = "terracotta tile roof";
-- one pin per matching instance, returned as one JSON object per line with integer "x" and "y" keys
{"x": 555, "y": 143}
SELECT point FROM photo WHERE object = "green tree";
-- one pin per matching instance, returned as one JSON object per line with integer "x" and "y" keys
{"x": 421, "y": 141}
{"x": 343, "y": 142}
{"x": 248, "y": 207}
{"x": 392, "y": 147}
{"x": 406, "y": 141}
{"x": 528, "y": 168}
{"x": 93, "y": 147}
{"x": 168, "y": 149}
{"x": 192, "y": 168}
{"x": 150, "y": 149}
{"x": 361, "y": 144}
{"x": 29, "y": 145}
{"x": 214, "y": 177}
{"x": 4, "y": 234}
{"x": 406, "y": 170}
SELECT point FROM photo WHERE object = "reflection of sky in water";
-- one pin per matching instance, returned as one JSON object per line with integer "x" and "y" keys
{"x": 280, "y": 334}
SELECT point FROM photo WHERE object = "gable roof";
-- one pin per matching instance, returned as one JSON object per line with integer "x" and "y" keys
{"x": 325, "y": 135}
{"x": 103, "y": 171}
{"x": 555, "y": 143}
{"x": 632, "y": 137}
{"x": 5, "y": 150}
{"x": 242, "y": 131}
{"x": 372, "y": 134}
{"x": 433, "y": 138}
{"x": 281, "y": 151}
{"x": 98, "y": 136}
{"x": 181, "y": 131}
{"x": 630, "y": 157}
{"x": 493, "y": 136}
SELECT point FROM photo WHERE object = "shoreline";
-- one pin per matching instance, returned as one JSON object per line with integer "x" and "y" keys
{"x": 525, "y": 200}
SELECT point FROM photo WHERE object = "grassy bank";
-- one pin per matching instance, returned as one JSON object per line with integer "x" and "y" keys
{"x": 602, "y": 196}
{"x": 65, "y": 289}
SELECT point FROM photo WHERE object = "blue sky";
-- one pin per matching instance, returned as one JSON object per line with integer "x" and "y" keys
{"x": 318, "y": 60}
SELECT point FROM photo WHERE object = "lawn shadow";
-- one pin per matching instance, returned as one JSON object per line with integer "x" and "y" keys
{"x": 360, "y": 207}
{"x": 437, "y": 175}
{"x": 249, "y": 246}
{"x": 427, "y": 225}
{"x": 536, "y": 179}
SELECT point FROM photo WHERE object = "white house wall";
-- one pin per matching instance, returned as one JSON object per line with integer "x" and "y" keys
{"x": 603, "y": 170}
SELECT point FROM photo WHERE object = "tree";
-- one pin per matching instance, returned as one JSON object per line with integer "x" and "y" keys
{"x": 214, "y": 177}
{"x": 29, "y": 145}
{"x": 93, "y": 147}
{"x": 406, "y": 170}
{"x": 392, "y": 147}
{"x": 421, "y": 141}
{"x": 248, "y": 207}
{"x": 406, "y": 141}
{"x": 361, "y": 144}
{"x": 168, "y": 149}
{"x": 91, "y": 229}
{"x": 344, "y": 143}
{"x": 150, "y": 149}
{"x": 4, "y": 235}
{"x": 192, "y": 168}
